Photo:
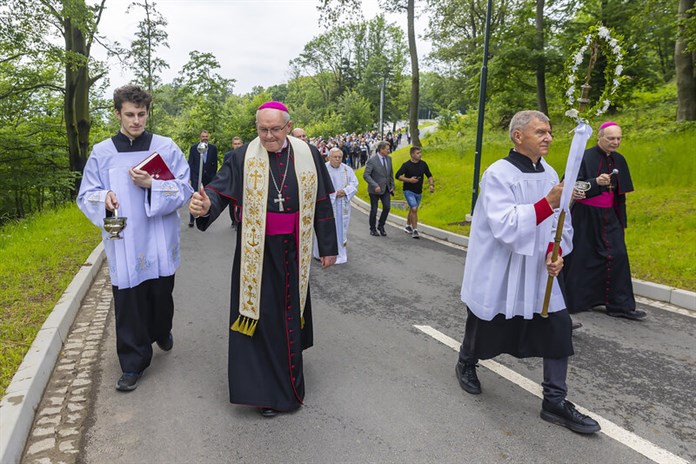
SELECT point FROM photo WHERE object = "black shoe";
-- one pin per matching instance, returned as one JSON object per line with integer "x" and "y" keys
{"x": 565, "y": 414}
{"x": 268, "y": 412}
{"x": 190, "y": 224}
{"x": 167, "y": 344}
{"x": 382, "y": 232}
{"x": 128, "y": 381}
{"x": 374, "y": 233}
{"x": 468, "y": 380}
{"x": 635, "y": 315}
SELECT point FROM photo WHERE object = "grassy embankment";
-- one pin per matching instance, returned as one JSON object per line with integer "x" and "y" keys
{"x": 661, "y": 233}
{"x": 38, "y": 259}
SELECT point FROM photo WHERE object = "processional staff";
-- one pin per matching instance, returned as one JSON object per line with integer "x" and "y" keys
{"x": 599, "y": 37}
{"x": 202, "y": 148}
{"x": 577, "y": 148}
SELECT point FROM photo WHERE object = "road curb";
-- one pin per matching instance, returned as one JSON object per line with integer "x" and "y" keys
{"x": 26, "y": 389}
{"x": 675, "y": 296}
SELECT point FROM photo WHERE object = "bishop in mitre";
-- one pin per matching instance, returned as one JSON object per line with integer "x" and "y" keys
{"x": 346, "y": 186}
{"x": 281, "y": 187}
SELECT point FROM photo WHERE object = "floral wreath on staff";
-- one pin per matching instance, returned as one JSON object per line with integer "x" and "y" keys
{"x": 611, "y": 48}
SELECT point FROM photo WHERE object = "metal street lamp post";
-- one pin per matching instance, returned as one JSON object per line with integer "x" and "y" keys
{"x": 481, "y": 108}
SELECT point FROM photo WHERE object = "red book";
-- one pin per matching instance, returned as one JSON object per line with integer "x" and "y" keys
{"x": 156, "y": 167}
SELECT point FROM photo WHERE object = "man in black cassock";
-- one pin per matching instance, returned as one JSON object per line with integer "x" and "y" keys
{"x": 597, "y": 272}
{"x": 281, "y": 187}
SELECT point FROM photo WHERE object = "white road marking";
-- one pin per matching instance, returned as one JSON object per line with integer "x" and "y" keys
{"x": 633, "y": 441}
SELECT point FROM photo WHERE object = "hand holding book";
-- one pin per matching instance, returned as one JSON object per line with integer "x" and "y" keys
{"x": 156, "y": 167}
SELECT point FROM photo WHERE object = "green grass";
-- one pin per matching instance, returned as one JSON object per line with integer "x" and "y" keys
{"x": 661, "y": 233}
{"x": 38, "y": 259}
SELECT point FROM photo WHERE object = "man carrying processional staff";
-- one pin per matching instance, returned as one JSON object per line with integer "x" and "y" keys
{"x": 508, "y": 261}
{"x": 281, "y": 187}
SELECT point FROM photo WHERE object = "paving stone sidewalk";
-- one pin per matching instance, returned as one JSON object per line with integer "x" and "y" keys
{"x": 60, "y": 419}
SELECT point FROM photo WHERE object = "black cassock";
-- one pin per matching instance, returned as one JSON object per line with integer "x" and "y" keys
{"x": 597, "y": 272}
{"x": 265, "y": 370}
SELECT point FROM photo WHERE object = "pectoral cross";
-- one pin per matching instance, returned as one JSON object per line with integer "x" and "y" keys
{"x": 280, "y": 200}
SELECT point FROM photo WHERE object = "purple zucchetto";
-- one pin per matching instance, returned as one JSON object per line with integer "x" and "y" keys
{"x": 607, "y": 124}
{"x": 276, "y": 105}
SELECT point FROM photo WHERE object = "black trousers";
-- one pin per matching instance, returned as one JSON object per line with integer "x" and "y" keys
{"x": 385, "y": 198}
{"x": 555, "y": 374}
{"x": 554, "y": 384}
{"x": 144, "y": 315}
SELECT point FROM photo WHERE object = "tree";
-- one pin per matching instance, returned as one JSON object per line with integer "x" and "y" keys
{"x": 334, "y": 9}
{"x": 365, "y": 56}
{"x": 202, "y": 93}
{"x": 34, "y": 24}
{"x": 150, "y": 36}
{"x": 355, "y": 112}
{"x": 685, "y": 62}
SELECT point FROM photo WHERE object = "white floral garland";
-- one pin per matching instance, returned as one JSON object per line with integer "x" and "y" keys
{"x": 611, "y": 47}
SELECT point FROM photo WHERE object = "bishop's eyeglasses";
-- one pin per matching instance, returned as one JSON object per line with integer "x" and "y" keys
{"x": 272, "y": 130}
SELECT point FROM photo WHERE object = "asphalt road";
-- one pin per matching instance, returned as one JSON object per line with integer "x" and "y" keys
{"x": 380, "y": 390}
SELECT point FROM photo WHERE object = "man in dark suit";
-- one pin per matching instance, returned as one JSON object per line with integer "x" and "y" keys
{"x": 210, "y": 164}
{"x": 236, "y": 143}
{"x": 380, "y": 186}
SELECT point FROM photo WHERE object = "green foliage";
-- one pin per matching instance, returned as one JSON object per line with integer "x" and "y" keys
{"x": 661, "y": 233}
{"x": 34, "y": 169}
{"x": 33, "y": 276}
{"x": 201, "y": 93}
{"x": 355, "y": 112}
{"x": 365, "y": 57}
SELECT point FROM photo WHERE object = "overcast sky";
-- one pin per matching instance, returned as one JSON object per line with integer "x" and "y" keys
{"x": 253, "y": 40}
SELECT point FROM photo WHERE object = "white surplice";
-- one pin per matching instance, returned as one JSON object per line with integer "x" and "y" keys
{"x": 505, "y": 270}
{"x": 343, "y": 178}
{"x": 150, "y": 245}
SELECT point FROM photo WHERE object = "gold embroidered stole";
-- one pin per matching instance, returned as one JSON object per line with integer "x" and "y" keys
{"x": 253, "y": 227}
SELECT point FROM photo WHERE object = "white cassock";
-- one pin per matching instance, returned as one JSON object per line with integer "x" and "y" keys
{"x": 343, "y": 178}
{"x": 505, "y": 271}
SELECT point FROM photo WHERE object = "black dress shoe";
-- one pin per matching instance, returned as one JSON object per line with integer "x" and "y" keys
{"x": 128, "y": 381}
{"x": 268, "y": 412}
{"x": 382, "y": 232}
{"x": 467, "y": 378}
{"x": 374, "y": 233}
{"x": 190, "y": 224}
{"x": 565, "y": 414}
{"x": 635, "y": 315}
{"x": 167, "y": 344}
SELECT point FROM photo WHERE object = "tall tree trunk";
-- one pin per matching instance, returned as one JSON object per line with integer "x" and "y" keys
{"x": 541, "y": 60}
{"x": 686, "y": 73}
{"x": 415, "y": 75}
{"x": 76, "y": 105}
